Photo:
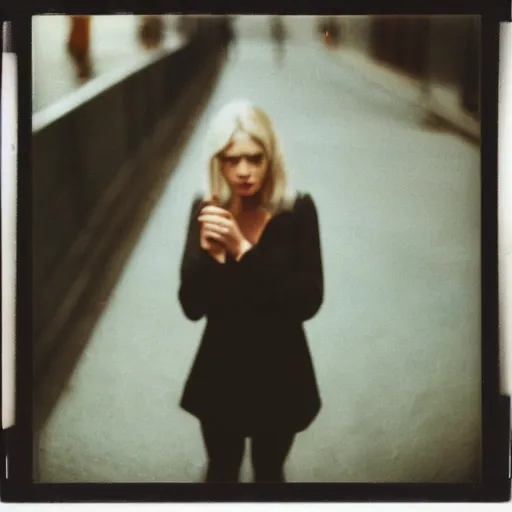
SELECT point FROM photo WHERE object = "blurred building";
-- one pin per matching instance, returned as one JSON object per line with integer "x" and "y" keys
{"x": 442, "y": 53}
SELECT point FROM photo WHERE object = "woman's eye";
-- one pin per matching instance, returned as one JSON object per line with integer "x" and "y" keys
{"x": 235, "y": 160}
{"x": 255, "y": 159}
{"x": 231, "y": 160}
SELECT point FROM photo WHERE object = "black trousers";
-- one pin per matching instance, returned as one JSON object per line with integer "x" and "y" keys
{"x": 225, "y": 450}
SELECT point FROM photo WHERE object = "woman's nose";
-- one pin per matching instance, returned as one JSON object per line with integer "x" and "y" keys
{"x": 242, "y": 168}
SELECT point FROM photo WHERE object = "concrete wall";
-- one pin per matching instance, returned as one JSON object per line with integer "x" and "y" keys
{"x": 86, "y": 162}
{"x": 454, "y": 41}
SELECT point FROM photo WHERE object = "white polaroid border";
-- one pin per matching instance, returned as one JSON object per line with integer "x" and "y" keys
{"x": 505, "y": 206}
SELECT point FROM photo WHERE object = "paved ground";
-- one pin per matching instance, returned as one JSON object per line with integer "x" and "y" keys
{"x": 396, "y": 345}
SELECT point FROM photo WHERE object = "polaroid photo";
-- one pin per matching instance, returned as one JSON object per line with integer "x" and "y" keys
{"x": 262, "y": 251}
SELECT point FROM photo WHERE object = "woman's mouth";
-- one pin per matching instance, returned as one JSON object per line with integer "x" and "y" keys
{"x": 244, "y": 186}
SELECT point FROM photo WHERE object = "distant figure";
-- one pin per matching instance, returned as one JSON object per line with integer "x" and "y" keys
{"x": 278, "y": 34}
{"x": 228, "y": 32}
{"x": 228, "y": 35}
{"x": 186, "y": 25}
{"x": 151, "y": 31}
{"x": 330, "y": 30}
{"x": 252, "y": 267}
{"x": 79, "y": 45}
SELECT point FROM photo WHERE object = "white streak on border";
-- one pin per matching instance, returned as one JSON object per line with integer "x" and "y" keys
{"x": 9, "y": 202}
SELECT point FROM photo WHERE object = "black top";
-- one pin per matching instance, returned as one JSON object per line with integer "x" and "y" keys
{"x": 253, "y": 369}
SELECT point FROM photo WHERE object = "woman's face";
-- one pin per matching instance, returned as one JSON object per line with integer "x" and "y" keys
{"x": 244, "y": 165}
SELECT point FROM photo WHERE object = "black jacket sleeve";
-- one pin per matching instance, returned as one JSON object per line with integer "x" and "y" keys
{"x": 201, "y": 275}
{"x": 295, "y": 289}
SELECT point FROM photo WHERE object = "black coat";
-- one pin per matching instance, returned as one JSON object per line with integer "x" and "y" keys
{"x": 253, "y": 370}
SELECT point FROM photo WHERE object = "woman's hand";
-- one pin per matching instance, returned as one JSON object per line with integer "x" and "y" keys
{"x": 218, "y": 226}
{"x": 217, "y": 250}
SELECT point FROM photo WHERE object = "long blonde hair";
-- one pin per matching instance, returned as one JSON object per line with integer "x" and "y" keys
{"x": 242, "y": 116}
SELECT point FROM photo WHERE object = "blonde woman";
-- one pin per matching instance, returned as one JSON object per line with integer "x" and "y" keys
{"x": 252, "y": 266}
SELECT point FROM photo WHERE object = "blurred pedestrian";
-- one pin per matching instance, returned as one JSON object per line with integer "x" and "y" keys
{"x": 228, "y": 36}
{"x": 187, "y": 25}
{"x": 79, "y": 44}
{"x": 151, "y": 31}
{"x": 323, "y": 28}
{"x": 278, "y": 33}
{"x": 331, "y": 32}
{"x": 227, "y": 30}
{"x": 252, "y": 266}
